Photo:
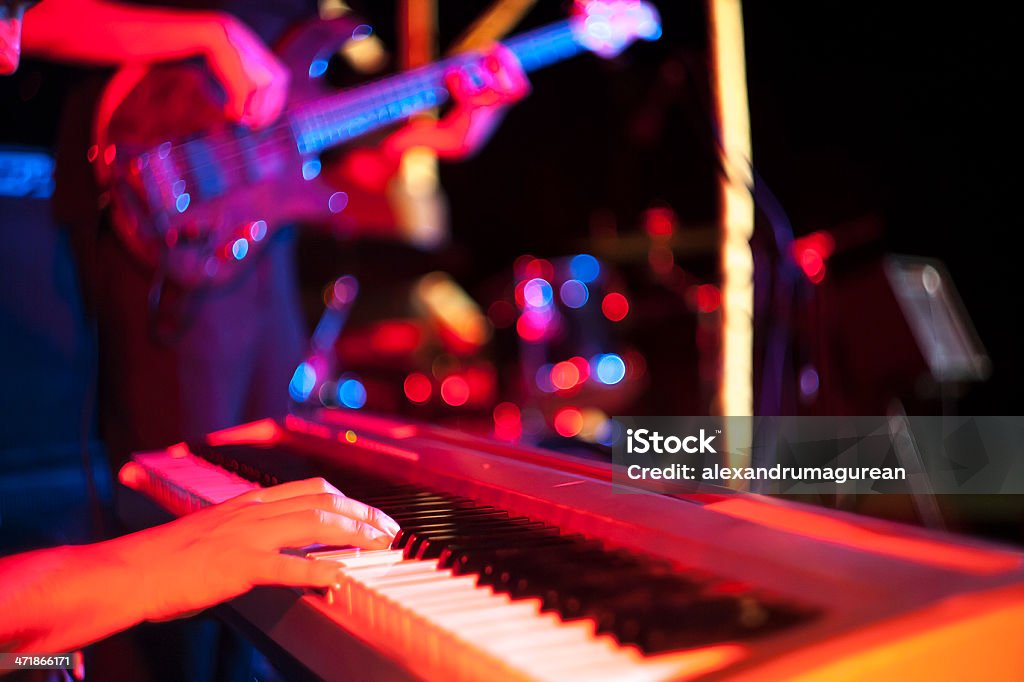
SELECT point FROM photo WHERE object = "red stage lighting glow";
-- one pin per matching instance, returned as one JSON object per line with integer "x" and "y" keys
{"x": 418, "y": 388}
{"x": 508, "y": 424}
{"x": 396, "y": 337}
{"x": 531, "y": 326}
{"x": 455, "y": 391}
{"x": 709, "y": 298}
{"x": 659, "y": 222}
{"x": 615, "y": 307}
{"x": 811, "y": 252}
{"x": 568, "y": 422}
{"x": 583, "y": 366}
{"x": 565, "y": 375}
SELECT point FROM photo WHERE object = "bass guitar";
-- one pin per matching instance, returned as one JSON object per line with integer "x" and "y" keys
{"x": 197, "y": 197}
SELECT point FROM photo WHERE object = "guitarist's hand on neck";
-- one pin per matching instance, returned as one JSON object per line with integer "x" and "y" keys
{"x": 480, "y": 99}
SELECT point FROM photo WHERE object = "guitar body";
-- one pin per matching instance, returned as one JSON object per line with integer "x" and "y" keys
{"x": 197, "y": 196}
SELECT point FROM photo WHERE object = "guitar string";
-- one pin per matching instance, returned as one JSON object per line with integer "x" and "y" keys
{"x": 535, "y": 47}
{"x": 537, "y": 42}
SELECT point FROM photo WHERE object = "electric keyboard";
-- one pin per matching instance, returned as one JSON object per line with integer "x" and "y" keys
{"x": 520, "y": 564}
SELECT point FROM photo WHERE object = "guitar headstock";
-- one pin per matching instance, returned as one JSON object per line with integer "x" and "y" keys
{"x": 607, "y": 27}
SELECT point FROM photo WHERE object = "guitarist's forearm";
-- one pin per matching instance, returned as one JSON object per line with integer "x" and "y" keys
{"x": 97, "y": 32}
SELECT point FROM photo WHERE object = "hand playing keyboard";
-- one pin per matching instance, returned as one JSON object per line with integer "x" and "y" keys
{"x": 224, "y": 550}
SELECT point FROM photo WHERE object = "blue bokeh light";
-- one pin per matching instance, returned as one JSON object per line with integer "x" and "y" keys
{"x": 302, "y": 382}
{"x": 317, "y": 68}
{"x": 352, "y": 393}
{"x": 609, "y": 368}
{"x": 574, "y": 293}
{"x": 585, "y": 268}
{"x": 240, "y": 248}
{"x": 537, "y": 293}
{"x": 311, "y": 169}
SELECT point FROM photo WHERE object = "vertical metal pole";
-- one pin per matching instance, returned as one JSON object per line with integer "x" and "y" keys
{"x": 417, "y": 196}
{"x": 735, "y": 392}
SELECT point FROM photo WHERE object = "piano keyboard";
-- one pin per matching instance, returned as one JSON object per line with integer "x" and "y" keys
{"x": 485, "y": 583}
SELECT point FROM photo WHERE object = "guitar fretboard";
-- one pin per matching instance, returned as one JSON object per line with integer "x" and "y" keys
{"x": 337, "y": 119}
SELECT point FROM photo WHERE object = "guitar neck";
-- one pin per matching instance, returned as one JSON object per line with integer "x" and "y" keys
{"x": 334, "y": 120}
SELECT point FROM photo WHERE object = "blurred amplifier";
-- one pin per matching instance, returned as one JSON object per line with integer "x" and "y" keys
{"x": 900, "y": 330}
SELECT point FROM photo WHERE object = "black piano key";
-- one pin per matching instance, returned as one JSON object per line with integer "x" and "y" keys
{"x": 464, "y": 558}
{"x": 432, "y": 547}
{"x": 413, "y": 538}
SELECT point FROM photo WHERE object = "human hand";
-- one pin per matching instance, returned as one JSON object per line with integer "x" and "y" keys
{"x": 498, "y": 82}
{"x": 254, "y": 80}
{"x": 224, "y": 550}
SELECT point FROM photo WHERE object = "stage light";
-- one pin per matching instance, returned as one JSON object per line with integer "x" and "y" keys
{"x": 239, "y": 249}
{"x": 593, "y": 422}
{"x": 811, "y": 252}
{"x": 568, "y": 422}
{"x": 508, "y": 423}
{"x": 533, "y": 325}
{"x": 302, "y": 383}
{"x": 345, "y": 289}
{"x": 709, "y": 298}
{"x": 352, "y": 393}
{"x": 418, "y": 388}
{"x": 543, "y": 379}
{"x": 396, "y": 337}
{"x": 537, "y": 293}
{"x": 182, "y": 202}
{"x": 585, "y": 268}
{"x": 565, "y": 375}
{"x": 521, "y": 266}
{"x": 258, "y": 230}
{"x": 659, "y": 222}
{"x": 809, "y": 381}
{"x": 317, "y": 68}
{"x": 615, "y": 307}
{"x": 582, "y": 365}
{"x": 311, "y": 169}
{"x": 574, "y": 293}
{"x": 609, "y": 368}
{"x": 337, "y": 202}
{"x": 455, "y": 391}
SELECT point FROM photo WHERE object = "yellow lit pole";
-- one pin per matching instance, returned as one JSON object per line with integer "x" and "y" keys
{"x": 493, "y": 24}
{"x": 417, "y": 196}
{"x": 735, "y": 392}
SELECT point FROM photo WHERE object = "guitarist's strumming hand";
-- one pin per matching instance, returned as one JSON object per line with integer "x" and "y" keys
{"x": 479, "y": 99}
{"x": 255, "y": 82}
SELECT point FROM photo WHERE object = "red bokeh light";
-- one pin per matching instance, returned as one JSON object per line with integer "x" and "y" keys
{"x": 811, "y": 253}
{"x": 568, "y": 422}
{"x": 508, "y": 423}
{"x": 396, "y": 337}
{"x": 531, "y": 327}
{"x": 582, "y": 366}
{"x": 659, "y": 222}
{"x": 565, "y": 375}
{"x": 418, "y": 388}
{"x": 615, "y": 307}
{"x": 455, "y": 391}
{"x": 709, "y": 298}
